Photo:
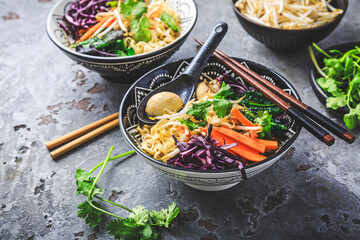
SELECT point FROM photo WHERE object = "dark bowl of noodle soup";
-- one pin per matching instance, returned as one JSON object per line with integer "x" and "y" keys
{"x": 210, "y": 179}
{"x": 122, "y": 69}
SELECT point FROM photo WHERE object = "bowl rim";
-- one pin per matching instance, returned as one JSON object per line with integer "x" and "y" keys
{"x": 237, "y": 11}
{"x": 319, "y": 92}
{"x": 126, "y": 59}
{"x": 220, "y": 171}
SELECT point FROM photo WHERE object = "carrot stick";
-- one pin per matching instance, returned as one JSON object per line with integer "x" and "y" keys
{"x": 241, "y": 150}
{"x": 248, "y": 141}
{"x": 93, "y": 29}
{"x": 270, "y": 145}
{"x": 239, "y": 116}
{"x": 253, "y": 134}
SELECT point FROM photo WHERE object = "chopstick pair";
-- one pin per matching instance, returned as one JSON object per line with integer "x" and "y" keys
{"x": 297, "y": 109}
{"x": 84, "y": 134}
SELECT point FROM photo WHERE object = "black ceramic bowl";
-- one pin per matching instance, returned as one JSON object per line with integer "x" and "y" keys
{"x": 209, "y": 180}
{"x": 289, "y": 40}
{"x": 122, "y": 69}
{"x": 314, "y": 74}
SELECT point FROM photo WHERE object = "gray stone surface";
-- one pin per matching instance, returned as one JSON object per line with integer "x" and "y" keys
{"x": 311, "y": 193}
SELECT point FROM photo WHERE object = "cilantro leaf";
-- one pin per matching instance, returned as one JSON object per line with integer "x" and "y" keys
{"x": 82, "y": 175}
{"x": 165, "y": 216}
{"x": 84, "y": 184}
{"x": 149, "y": 233}
{"x": 222, "y": 107}
{"x": 327, "y": 84}
{"x": 169, "y": 21}
{"x": 352, "y": 119}
{"x": 140, "y": 28}
{"x": 264, "y": 119}
{"x": 355, "y": 83}
{"x": 224, "y": 91}
{"x": 91, "y": 215}
{"x": 140, "y": 214}
{"x": 133, "y": 8}
{"x": 191, "y": 125}
{"x": 337, "y": 101}
{"x": 199, "y": 110}
{"x": 123, "y": 229}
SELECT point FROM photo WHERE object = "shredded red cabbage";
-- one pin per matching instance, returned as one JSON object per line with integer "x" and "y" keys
{"x": 82, "y": 15}
{"x": 204, "y": 154}
{"x": 236, "y": 86}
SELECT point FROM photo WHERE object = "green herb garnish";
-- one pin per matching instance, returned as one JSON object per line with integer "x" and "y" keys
{"x": 140, "y": 224}
{"x": 169, "y": 21}
{"x": 140, "y": 28}
{"x": 264, "y": 119}
{"x": 341, "y": 80}
{"x": 191, "y": 125}
{"x": 133, "y": 8}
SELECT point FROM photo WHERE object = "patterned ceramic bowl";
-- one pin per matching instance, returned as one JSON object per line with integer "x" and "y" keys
{"x": 122, "y": 69}
{"x": 209, "y": 180}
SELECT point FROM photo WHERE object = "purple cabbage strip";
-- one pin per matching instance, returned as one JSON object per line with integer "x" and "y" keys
{"x": 204, "y": 154}
{"x": 82, "y": 15}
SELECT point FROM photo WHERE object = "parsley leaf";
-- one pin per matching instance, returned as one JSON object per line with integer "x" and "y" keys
{"x": 140, "y": 28}
{"x": 140, "y": 214}
{"x": 191, "y": 125}
{"x": 199, "y": 110}
{"x": 91, "y": 215}
{"x": 337, "y": 101}
{"x": 133, "y": 8}
{"x": 222, "y": 107}
{"x": 264, "y": 119}
{"x": 165, "y": 216}
{"x": 169, "y": 21}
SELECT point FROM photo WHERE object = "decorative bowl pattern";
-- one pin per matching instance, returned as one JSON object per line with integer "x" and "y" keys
{"x": 119, "y": 69}
{"x": 210, "y": 180}
{"x": 289, "y": 40}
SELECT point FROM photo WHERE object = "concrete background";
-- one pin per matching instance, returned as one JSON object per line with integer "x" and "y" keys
{"x": 311, "y": 193}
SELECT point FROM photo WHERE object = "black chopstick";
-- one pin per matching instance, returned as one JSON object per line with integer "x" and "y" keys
{"x": 311, "y": 126}
{"x": 309, "y": 111}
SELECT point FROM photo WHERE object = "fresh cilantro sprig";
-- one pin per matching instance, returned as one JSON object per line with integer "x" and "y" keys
{"x": 140, "y": 29}
{"x": 220, "y": 104}
{"x": 131, "y": 8}
{"x": 140, "y": 224}
{"x": 169, "y": 21}
{"x": 341, "y": 80}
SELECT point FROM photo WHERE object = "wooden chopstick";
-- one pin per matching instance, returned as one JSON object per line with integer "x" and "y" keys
{"x": 312, "y": 127}
{"x": 88, "y": 136}
{"x": 80, "y": 131}
{"x": 309, "y": 111}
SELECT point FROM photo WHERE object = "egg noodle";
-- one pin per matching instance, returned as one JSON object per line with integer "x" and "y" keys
{"x": 160, "y": 34}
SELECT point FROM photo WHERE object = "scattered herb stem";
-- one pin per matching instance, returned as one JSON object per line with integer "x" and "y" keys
{"x": 140, "y": 224}
{"x": 113, "y": 158}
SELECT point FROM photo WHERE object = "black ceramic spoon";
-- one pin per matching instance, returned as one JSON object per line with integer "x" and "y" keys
{"x": 184, "y": 85}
